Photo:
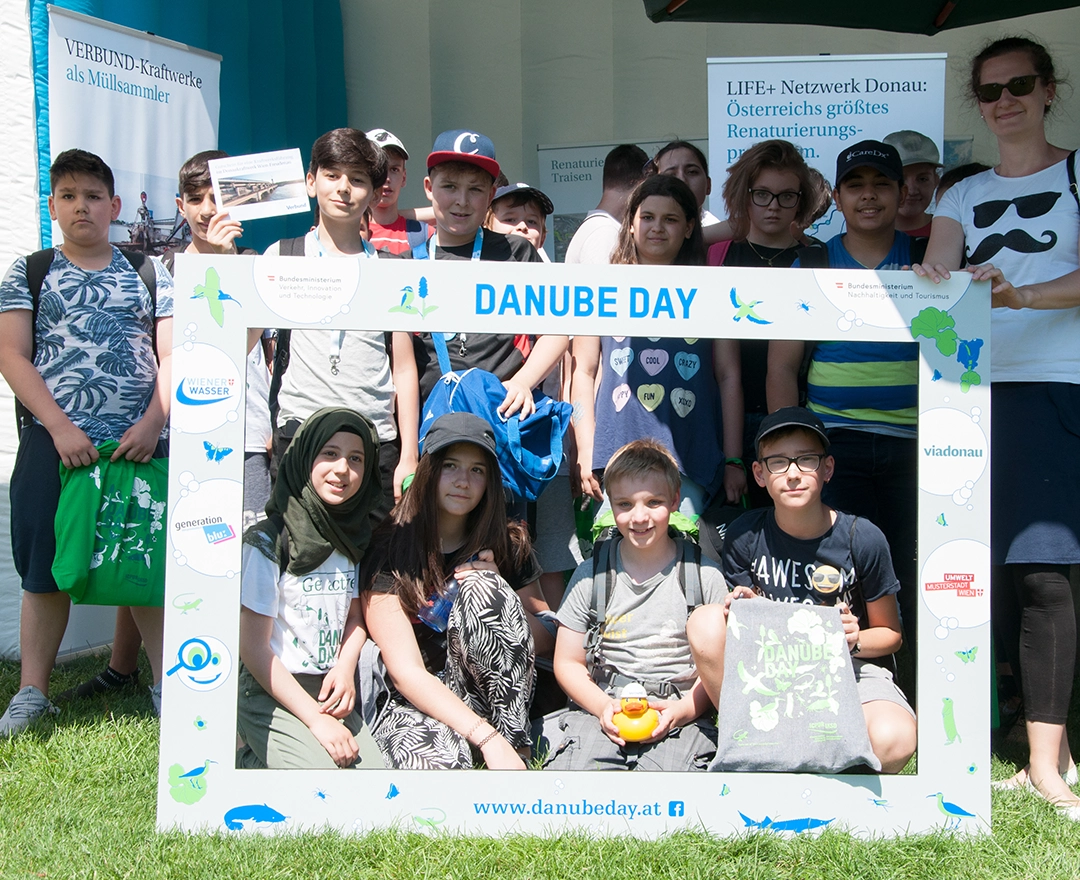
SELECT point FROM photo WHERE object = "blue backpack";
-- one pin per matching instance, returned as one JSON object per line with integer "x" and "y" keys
{"x": 529, "y": 451}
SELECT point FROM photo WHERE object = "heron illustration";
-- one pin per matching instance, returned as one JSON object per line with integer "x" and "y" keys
{"x": 951, "y": 811}
{"x": 196, "y": 775}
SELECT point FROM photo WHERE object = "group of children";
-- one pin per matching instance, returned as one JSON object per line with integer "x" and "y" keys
{"x": 339, "y": 435}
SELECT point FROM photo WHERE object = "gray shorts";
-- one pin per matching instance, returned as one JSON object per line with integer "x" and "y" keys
{"x": 875, "y": 682}
{"x": 571, "y": 739}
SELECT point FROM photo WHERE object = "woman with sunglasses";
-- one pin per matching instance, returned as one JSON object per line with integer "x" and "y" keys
{"x": 1018, "y": 226}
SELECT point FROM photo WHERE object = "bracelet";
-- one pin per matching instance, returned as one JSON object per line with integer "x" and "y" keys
{"x": 494, "y": 733}
{"x": 735, "y": 462}
{"x": 480, "y": 722}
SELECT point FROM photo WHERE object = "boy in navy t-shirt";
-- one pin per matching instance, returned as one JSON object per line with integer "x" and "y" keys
{"x": 780, "y": 552}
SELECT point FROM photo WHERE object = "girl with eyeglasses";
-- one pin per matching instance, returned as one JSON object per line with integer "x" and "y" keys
{"x": 769, "y": 195}
{"x": 1018, "y": 226}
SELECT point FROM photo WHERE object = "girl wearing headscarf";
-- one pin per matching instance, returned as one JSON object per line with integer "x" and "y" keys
{"x": 301, "y": 627}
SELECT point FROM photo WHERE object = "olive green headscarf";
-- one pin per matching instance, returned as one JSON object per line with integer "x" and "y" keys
{"x": 315, "y": 529}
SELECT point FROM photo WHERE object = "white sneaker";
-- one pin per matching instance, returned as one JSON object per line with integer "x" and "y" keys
{"x": 155, "y": 698}
{"x": 25, "y": 708}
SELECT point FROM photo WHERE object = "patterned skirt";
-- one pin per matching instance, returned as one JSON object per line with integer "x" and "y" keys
{"x": 489, "y": 665}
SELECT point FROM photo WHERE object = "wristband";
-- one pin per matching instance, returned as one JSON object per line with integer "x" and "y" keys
{"x": 494, "y": 733}
{"x": 735, "y": 462}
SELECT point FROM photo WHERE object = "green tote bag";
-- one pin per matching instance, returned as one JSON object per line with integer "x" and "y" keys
{"x": 110, "y": 531}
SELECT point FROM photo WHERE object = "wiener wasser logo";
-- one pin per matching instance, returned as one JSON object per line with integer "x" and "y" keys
{"x": 204, "y": 390}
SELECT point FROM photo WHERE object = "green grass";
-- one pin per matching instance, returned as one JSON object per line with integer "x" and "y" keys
{"x": 77, "y": 800}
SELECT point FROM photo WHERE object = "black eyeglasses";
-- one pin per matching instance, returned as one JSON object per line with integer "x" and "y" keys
{"x": 1018, "y": 86}
{"x": 763, "y": 198}
{"x": 780, "y": 464}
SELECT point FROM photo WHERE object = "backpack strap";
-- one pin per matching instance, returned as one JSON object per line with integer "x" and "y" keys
{"x": 281, "y": 364}
{"x": 1070, "y": 168}
{"x": 690, "y": 574}
{"x": 292, "y": 247}
{"x": 37, "y": 267}
{"x": 603, "y": 581}
{"x": 144, "y": 267}
{"x": 417, "y": 235}
{"x": 812, "y": 257}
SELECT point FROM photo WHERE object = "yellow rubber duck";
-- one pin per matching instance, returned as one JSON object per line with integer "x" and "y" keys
{"x": 636, "y": 721}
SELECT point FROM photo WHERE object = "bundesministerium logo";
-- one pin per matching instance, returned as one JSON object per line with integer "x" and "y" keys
{"x": 409, "y": 297}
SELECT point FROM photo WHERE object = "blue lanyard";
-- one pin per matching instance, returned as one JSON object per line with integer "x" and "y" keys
{"x": 369, "y": 248}
{"x": 428, "y": 253}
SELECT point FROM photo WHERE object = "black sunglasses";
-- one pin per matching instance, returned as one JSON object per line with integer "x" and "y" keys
{"x": 1028, "y": 207}
{"x": 1018, "y": 86}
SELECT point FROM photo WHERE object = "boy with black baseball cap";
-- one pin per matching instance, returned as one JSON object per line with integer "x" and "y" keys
{"x": 522, "y": 210}
{"x": 812, "y": 543}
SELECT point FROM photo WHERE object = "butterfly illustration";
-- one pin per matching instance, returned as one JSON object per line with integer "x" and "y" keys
{"x": 968, "y": 656}
{"x": 215, "y": 453}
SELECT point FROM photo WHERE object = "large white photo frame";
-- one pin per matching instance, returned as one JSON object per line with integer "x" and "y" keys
{"x": 218, "y": 298}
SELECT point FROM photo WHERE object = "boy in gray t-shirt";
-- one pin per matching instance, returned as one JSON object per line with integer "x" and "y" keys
{"x": 642, "y": 638}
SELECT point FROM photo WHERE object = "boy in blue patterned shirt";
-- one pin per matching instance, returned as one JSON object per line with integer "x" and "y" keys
{"x": 85, "y": 367}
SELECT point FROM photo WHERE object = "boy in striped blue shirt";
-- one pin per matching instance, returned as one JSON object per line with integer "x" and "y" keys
{"x": 866, "y": 393}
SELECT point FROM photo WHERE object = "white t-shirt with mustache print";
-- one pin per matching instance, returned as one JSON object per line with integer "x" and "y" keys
{"x": 1028, "y": 227}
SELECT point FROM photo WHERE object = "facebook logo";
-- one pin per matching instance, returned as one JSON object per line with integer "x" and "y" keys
{"x": 676, "y": 808}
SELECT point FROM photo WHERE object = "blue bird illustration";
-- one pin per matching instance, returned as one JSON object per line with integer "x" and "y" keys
{"x": 746, "y": 310}
{"x": 197, "y": 774}
{"x": 393, "y": 792}
{"x": 951, "y": 811}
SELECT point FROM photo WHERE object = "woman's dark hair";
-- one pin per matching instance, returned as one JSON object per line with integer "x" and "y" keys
{"x": 781, "y": 156}
{"x": 1040, "y": 60}
{"x": 654, "y": 163}
{"x": 692, "y": 252}
{"x": 407, "y": 543}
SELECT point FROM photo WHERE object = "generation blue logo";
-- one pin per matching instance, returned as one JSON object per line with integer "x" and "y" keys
{"x": 218, "y": 533}
{"x": 201, "y": 391}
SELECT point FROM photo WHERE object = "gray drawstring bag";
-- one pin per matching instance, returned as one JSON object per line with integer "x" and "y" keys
{"x": 789, "y": 701}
